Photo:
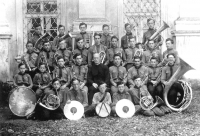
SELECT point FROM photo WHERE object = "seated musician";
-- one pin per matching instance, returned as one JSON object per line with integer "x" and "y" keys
{"x": 154, "y": 74}
{"x": 119, "y": 95}
{"x": 60, "y": 37}
{"x": 125, "y": 38}
{"x": 42, "y": 80}
{"x": 22, "y": 78}
{"x": 170, "y": 49}
{"x": 43, "y": 113}
{"x": 140, "y": 70}
{"x": 167, "y": 72}
{"x": 96, "y": 48}
{"x": 36, "y": 35}
{"x": 80, "y": 49}
{"x": 151, "y": 52}
{"x": 96, "y": 74}
{"x": 102, "y": 96}
{"x": 79, "y": 71}
{"x": 64, "y": 52}
{"x": 113, "y": 50}
{"x": 46, "y": 56}
{"x": 63, "y": 73}
{"x": 106, "y": 37}
{"x": 83, "y": 34}
{"x": 118, "y": 73}
{"x": 130, "y": 52}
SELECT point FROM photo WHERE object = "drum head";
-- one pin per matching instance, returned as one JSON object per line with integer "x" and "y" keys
{"x": 22, "y": 101}
{"x": 74, "y": 110}
{"x": 103, "y": 109}
{"x": 125, "y": 108}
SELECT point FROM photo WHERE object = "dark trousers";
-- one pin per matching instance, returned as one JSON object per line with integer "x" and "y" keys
{"x": 91, "y": 92}
{"x": 155, "y": 90}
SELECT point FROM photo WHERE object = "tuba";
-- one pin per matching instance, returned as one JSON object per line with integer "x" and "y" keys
{"x": 187, "y": 90}
{"x": 102, "y": 55}
{"x": 40, "y": 39}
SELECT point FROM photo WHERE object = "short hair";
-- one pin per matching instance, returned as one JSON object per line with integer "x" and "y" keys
{"x": 60, "y": 57}
{"x": 45, "y": 41}
{"x": 137, "y": 57}
{"x": 28, "y": 43}
{"x": 76, "y": 55}
{"x": 116, "y": 55}
{"x": 151, "y": 40}
{"x": 101, "y": 83}
{"x": 105, "y": 25}
{"x": 74, "y": 79}
{"x": 114, "y": 37}
{"x": 79, "y": 38}
{"x": 136, "y": 77}
{"x": 37, "y": 25}
{"x": 120, "y": 83}
{"x": 95, "y": 34}
{"x": 82, "y": 24}
{"x": 55, "y": 79}
{"x": 127, "y": 24}
{"x": 61, "y": 26}
{"x": 150, "y": 20}
{"x": 169, "y": 39}
{"x": 171, "y": 54}
{"x": 131, "y": 37}
{"x": 21, "y": 64}
{"x": 63, "y": 40}
{"x": 154, "y": 58}
{"x": 137, "y": 44}
{"x": 42, "y": 64}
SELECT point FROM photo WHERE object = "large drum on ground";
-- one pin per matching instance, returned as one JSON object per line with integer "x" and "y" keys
{"x": 125, "y": 108}
{"x": 103, "y": 109}
{"x": 22, "y": 101}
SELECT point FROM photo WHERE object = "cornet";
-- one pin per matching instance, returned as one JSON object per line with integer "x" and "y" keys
{"x": 138, "y": 52}
{"x": 102, "y": 55}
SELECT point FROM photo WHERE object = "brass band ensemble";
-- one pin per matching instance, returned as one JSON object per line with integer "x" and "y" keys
{"x": 65, "y": 79}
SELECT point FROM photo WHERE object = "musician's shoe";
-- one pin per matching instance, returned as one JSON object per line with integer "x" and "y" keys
{"x": 148, "y": 113}
{"x": 31, "y": 116}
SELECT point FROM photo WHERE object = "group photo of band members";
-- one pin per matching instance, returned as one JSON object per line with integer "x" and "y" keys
{"x": 100, "y": 75}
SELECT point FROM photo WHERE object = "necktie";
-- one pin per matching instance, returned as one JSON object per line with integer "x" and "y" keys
{"x": 42, "y": 80}
{"x": 171, "y": 71}
{"x": 118, "y": 73}
{"x": 60, "y": 72}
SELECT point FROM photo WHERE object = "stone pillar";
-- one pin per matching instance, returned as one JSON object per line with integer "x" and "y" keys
{"x": 5, "y": 36}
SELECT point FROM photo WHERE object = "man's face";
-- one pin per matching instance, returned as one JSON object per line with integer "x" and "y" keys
{"x": 128, "y": 28}
{"x": 137, "y": 62}
{"x": 61, "y": 62}
{"x": 29, "y": 47}
{"x": 121, "y": 88}
{"x": 171, "y": 59}
{"x": 62, "y": 45}
{"x": 102, "y": 88}
{"x": 96, "y": 58}
{"x": 79, "y": 60}
{"x": 114, "y": 43}
{"x": 56, "y": 85}
{"x": 132, "y": 43}
{"x": 117, "y": 60}
{"x": 138, "y": 82}
{"x": 38, "y": 30}
{"x": 97, "y": 39}
{"x": 106, "y": 30}
{"x": 153, "y": 63}
{"x": 61, "y": 30}
{"x": 42, "y": 68}
{"x": 169, "y": 45}
{"x": 151, "y": 44}
{"x": 22, "y": 69}
{"x": 47, "y": 46}
{"x": 80, "y": 44}
{"x": 151, "y": 24}
{"x": 76, "y": 85}
{"x": 83, "y": 28}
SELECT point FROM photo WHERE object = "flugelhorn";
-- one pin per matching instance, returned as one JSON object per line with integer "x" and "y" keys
{"x": 102, "y": 55}
{"x": 138, "y": 52}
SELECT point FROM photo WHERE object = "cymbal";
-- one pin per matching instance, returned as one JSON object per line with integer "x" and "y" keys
{"x": 74, "y": 110}
{"x": 125, "y": 108}
{"x": 103, "y": 109}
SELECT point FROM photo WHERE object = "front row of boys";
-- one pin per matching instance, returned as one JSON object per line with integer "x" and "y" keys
{"x": 60, "y": 85}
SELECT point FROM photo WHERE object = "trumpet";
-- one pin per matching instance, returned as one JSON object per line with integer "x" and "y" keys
{"x": 138, "y": 52}
{"x": 26, "y": 63}
{"x": 102, "y": 55}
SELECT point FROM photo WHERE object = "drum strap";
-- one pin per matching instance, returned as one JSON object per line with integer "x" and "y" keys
{"x": 104, "y": 96}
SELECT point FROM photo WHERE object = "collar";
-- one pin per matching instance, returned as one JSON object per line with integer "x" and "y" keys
{"x": 138, "y": 67}
{"x": 129, "y": 34}
{"x": 82, "y": 33}
{"x": 22, "y": 74}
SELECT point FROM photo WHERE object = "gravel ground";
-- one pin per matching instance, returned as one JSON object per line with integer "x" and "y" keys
{"x": 186, "y": 123}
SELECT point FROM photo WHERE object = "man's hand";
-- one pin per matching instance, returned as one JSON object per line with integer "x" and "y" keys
{"x": 63, "y": 86}
{"x": 68, "y": 102}
{"x": 153, "y": 82}
{"x": 114, "y": 84}
{"x": 82, "y": 85}
{"x": 87, "y": 45}
{"x": 165, "y": 83}
{"x": 95, "y": 85}
{"x": 33, "y": 69}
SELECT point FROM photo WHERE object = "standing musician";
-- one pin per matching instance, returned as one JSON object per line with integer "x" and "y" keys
{"x": 130, "y": 52}
{"x": 22, "y": 78}
{"x": 119, "y": 95}
{"x": 151, "y": 52}
{"x": 96, "y": 48}
{"x": 137, "y": 70}
{"x": 118, "y": 73}
{"x": 81, "y": 50}
{"x": 125, "y": 38}
{"x": 170, "y": 49}
{"x": 150, "y": 32}
{"x": 64, "y": 52}
{"x": 62, "y": 36}
{"x": 83, "y": 34}
{"x": 106, "y": 38}
{"x": 42, "y": 81}
{"x": 79, "y": 71}
{"x": 96, "y": 74}
{"x": 47, "y": 56}
{"x": 115, "y": 49}
{"x": 62, "y": 73}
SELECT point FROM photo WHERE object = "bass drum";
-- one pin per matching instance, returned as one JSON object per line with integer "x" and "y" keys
{"x": 183, "y": 96}
{"x": 103, "y": 109}
{"x": 22, "y": 101}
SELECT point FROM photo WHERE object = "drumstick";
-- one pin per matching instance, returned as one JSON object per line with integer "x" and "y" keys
{"x": 100, "y": 108}
{"x": 106, "y": 109}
